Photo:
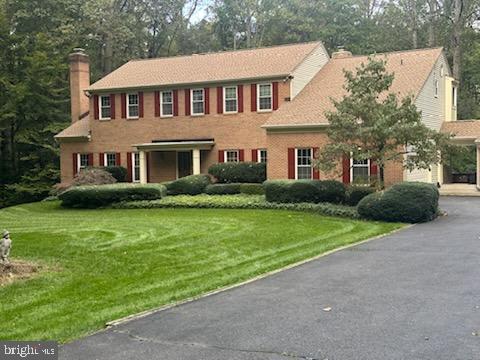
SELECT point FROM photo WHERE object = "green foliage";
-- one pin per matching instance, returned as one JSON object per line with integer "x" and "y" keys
{"x": 296, "y": 191}
{"x": 223, "y": 189}
{"x": 410, "y": 202}
{"x": 252, "y": 189}
{"x": 92, "y": 176}
{"x": 188, "y": 185}
{"x": 463, "y": 159}
{"x": 118, "y": 172}
{"x": 241, "y": 172}
{"x": 94, "y": 196}
{"x": 356, "y": 193}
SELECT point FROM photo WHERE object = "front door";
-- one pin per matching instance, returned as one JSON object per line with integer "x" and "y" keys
{"x": 184, "y": 163}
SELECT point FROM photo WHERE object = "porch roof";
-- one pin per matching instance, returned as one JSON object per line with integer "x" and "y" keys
{"x": 186, "y": 144}
{"x": 463, "y": 129}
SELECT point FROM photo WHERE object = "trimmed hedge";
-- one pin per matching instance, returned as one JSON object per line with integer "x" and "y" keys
{"x": 297, "y": 191}
{"x": 223, "y": 189}
{"x": 94, "y": 196}
{"x": 118, "y": 172}
{"x": 356, "y": 193}
{"x": 239, "y": 201}
{"x": 188, "y": 185}
{"x": 252, "y": 189}
{"x": 410, "y": 202}
{"x": 241, "y": 172}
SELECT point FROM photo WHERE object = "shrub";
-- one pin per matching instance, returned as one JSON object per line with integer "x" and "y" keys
{"x": 93, "y": 196}
{"x": 118, "y": 172}
{"x": 252, "y": 189}
{"x": 356, "y": 193}
{"x": 189, "y": 185}
{"x": 91, "y": 176}
{"x": 241, "y": 172}
{"x": 410, "y": 202}
{"x": 295, "y": 191}
{"x": 223, "y": 189}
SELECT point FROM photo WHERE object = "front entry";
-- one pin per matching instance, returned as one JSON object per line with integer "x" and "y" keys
{"x": 184, "y": 163}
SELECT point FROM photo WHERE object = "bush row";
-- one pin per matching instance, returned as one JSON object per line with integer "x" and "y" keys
{"x": 241, "y": 172}
{"x": 235, "y": 188}
{"x": 297, "y": 191}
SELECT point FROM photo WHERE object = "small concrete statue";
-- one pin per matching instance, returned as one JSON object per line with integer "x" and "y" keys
{"x": 5, "y": 246}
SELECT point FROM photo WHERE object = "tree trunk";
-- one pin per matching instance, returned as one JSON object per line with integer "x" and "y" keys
{"x": 381, "y": 176}
{"x": 432, "y": 20}
{"x": 457, "y": 19}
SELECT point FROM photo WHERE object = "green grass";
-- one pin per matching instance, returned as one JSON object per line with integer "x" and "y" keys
{"x": 112, "y": 263}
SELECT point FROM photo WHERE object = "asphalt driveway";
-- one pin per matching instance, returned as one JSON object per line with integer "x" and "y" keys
{"x": 411, "y": 295}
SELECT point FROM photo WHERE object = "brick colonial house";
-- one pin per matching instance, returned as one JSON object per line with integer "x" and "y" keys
{"x": 170, "y": 117}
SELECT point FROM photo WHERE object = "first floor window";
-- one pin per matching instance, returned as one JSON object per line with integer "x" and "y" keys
{"x": 264, "y": 97}
{"x": 304, "y": 163}
{"x": 104, "y": 107}
{"x": 166, "y": 103}
{"x": 360, "y": 171}
{"x": 231, "y": 156}
{"x": 262, "y": 155}
{"x": 197, "y": 102}
{"x": 110, "y": 159}
{"x": 82, "y": 161}
{"x": 136, "y": 167}
{"x": 230, "y": 104}
{"x": 132, "y": 106}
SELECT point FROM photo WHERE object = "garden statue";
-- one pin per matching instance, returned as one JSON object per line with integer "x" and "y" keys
{"x": 5, "y": 246}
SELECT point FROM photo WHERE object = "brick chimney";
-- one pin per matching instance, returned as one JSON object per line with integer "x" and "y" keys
{"x": 341, "y": 54}
{"x": 79, "y": 81}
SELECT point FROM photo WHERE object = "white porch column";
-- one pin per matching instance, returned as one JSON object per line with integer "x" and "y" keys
{"x": 143, "y": 167}
{"x": 478, "y": 164}
{"x": 196, "y": 161}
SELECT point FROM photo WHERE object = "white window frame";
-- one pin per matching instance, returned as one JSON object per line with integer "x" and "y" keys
{"x": 134, "y": 165}
{"x": 436, "y": 86}
{"x": 351, "y": 172}
{"x": 79, "y": 161}
{"x": 100, "y": 97}
{"x": 259, "y": 155}
{"x": 225, "y": 155}
{"x": 105, "y": 158}
{"x": 197, "y": 101}
{"x": 128, "y": 106}
{"x": 225, "y": 99}
{"x": 296, "y": 162}
{"x": 166, "y": 103}
{"x": 258, "y": 97}
{"x": 454, "y": 97}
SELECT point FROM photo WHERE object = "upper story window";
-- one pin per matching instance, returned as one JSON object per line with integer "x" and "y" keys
{"x": 198, "y": 102}
{"x": 360, "y": 171}
{"x": 230, "y": 102}
{"x": 231, "y": 155}
{"x": 303, "y": 164}
{"x": 435, "y": 84}
{"x": 166, "y": 103}
{"x": 454, "y": 97}
{"x": 110, "y": 159}
{"x": 105, "y": 110}
{"x": 82, "y": 161}
{"x": 262, "y": 155}
{"x": 132, "y": 106}
{"x": 264, "y": 97}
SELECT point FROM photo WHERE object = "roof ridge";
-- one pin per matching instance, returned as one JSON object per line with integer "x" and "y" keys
{"x": 392, "y": 52}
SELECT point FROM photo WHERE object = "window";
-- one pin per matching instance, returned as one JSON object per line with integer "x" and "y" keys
{"x": 442, "y": 71}
{"x": 264, "y": 98}
{"x": 166, "y": 101}
{"x": 82, "y": 161}
{"x": 262, "y": 155}
{"x": 132, "y": 106}
{"x": 110, "y": 159}
{"x": 231, "y": 155}
{"x": 435, "y": 83}
{"x": 197, "y": 102}
{"x": 104, "y": 104}
{"x": 136, "y": 167}
{"x": 360, "y": 171}
{"x": 303, "y": 164}
{"x": 230, "y": 99}
{"x": 454, "y": 97}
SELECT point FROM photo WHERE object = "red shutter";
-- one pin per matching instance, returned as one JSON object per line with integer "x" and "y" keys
{"x": 101, "y": 159}
{"x": 140, "y": 104}
{"x": 90, "y": 159}
{"x": 129, "y": 167}
{"x": 254, "y": 155}
{"x": 275, "y": 95}
{"x": 112, "y": 106}
{"x": 219, "y": 100}
{"x": 253, "y": 97}
{"x": 95, "y": 107}
{"x": 175, "y": 102}
{"x": 157, "y": 103}
{"x": 241, "y": 155}
{"x": 346, "y": 170}
{"x": 187, "y": 102}
{"x": 373, "y": 168}
{"x": 221, "y": 156}
{"x": 118, "y": 160}
{"x": 206, "y": 93}
{"x": 123, "y": 103}
{"x": 240, "y": 98}
{"x": 148, "y": 166}
{"x": 316, "y": 173}
{"x": 291, "y": 163}
{"x": 75, "y": 163}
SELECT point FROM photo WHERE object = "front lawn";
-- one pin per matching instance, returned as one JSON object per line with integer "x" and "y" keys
{"x": 106, "y": 264}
